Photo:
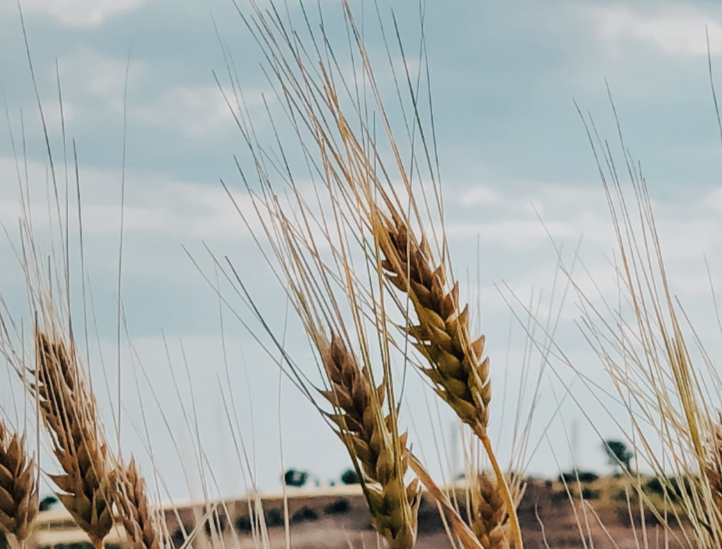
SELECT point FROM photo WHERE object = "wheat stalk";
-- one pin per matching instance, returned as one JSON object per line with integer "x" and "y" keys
{"x": 359, "y": 186}
{"x": 367, "y": 434}
{"x": 648, "y": 359}
{"x": 67, "y": 407}
{"x": 318, "y": 292}
{"x": 712, "y": 469}
{"x": 18, "y": 486}
{"x": 441, "y": 333}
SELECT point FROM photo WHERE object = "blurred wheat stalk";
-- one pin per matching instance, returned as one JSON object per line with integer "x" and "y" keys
{"x": 18, "y": 486}
{"x": 673, "y": 400}
{"x": 93, "y": 482}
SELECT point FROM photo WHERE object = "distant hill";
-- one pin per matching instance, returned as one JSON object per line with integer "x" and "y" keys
{"x": 338, "y": 518}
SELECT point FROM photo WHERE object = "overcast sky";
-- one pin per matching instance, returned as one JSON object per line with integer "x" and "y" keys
{"x": 512, "y": 150}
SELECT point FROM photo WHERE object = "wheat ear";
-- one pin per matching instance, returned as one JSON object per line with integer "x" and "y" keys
{"x": 368, "y": 435}
{"x": 140, "y": 523}
{"x": 489, "y": 515}
{"x": 67, "y": 406}
{"x": 713, "y": 465}
{"x": 441, "y": 334}
{"x": 18, "y": 486}
{"x": 456, "y": 369}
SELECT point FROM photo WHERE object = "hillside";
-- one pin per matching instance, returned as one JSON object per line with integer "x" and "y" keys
{"x": 338, "y": 518}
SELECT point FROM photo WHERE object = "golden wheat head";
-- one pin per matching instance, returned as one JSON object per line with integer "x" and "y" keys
{"x": 368, "y": 435}
{"x": 489, "y": 516}
{"x": 441, "y": 332}
{"x": 67, "y": 407}
{"x": 140, "y": 522}
{"x": 712, "y": 468}
{"x": 18, "y": 486}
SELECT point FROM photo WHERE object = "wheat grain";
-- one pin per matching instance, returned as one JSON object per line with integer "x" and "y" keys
{"x": 18, "y": 486}
{"x": 648, "y": 358}
{"x": 67, "y": 407}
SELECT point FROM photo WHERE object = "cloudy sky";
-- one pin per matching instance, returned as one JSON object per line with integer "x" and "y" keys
{"x": 516, "y": 166}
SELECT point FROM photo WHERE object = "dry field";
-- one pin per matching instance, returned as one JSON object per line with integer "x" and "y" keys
{"x": 339, "y": 518}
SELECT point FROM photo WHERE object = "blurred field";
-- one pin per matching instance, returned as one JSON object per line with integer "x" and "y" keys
{"x": 339, "y": 518}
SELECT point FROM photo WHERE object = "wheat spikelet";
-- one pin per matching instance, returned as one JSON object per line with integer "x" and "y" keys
{"x": 489, "y": 516}
{"x": 68, "y": 410}
{"x": 713, "y": 465}
{"x": 441, "y": 334}
{"x": 140, "y": 523}
{"x": 368, "y": 436}
{"x": 18, "y": 486}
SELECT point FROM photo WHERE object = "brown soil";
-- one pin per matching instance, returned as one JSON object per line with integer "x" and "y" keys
{"x": 339, "y": 519}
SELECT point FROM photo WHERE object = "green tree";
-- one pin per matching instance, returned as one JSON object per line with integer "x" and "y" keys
{"x": 349, "y": 476}
{"x": 619, "y": 455}
{"x": 296, "y": 478}
{"x": 47, "y": 503}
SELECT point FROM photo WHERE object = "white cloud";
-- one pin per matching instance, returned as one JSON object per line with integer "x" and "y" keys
{"x": 517, "y": 249}
{"x": 714, "y": 200}
{"x": 480, "y": 194}
{"x": 512, "y": 234}
{"x": 78, "y": 13}
{"x": 94, "y": 86}
{"x": 155, "y": 203}
{"x": 194, "y": 111}
{"x": 524, "y": 215}
{"x": 674, "y": 29}
{"x": 101, "y": 75}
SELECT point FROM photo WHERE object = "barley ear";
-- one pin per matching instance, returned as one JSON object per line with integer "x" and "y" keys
{"x": 67, "y": 407}
{"x": 18, "y": 486}
{"x": 383, "y": 456}
{"x": 140, "y": 522}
